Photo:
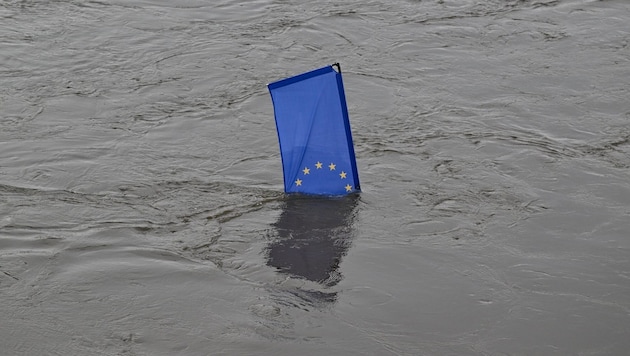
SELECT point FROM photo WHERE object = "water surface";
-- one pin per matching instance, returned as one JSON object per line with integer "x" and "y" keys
{"x": 141, "y": 204}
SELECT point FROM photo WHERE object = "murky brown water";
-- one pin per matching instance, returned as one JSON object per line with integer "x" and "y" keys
{"x": 141, "y": 204}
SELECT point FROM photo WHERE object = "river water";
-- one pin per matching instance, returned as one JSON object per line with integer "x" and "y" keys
{"x": 141, "y": 203}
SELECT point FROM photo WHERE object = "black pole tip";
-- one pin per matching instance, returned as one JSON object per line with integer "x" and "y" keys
{"x": 338, "y": 66}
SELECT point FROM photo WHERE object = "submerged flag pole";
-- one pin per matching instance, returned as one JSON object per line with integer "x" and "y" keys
{"x": 314, "y": 133}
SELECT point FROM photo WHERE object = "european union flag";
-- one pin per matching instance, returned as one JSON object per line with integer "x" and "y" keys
{"x": 314, "y": 133}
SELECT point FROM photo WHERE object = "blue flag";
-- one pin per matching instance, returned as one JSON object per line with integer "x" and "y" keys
{"x": 314, "y": 133}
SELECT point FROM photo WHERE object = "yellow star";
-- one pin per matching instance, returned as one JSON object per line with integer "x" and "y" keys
{"x": 318, "y": 165}
{"x": 299, "y": 182}
{"x": 348, "y": 187}
{"x": 306, "y": 170}
{"x": 332, "y": 166}
{"x": 342, "y": 175}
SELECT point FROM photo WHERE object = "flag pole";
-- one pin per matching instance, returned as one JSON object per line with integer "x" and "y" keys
{"x": 338, "y": 66}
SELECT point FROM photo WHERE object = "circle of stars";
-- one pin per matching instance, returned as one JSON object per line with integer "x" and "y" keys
{"x": 320, "y": 165}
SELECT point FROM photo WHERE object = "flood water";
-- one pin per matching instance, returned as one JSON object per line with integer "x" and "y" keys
{"x": 141, "y": 200}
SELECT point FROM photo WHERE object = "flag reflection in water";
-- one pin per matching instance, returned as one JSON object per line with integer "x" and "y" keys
{"x": 312, "y": 236}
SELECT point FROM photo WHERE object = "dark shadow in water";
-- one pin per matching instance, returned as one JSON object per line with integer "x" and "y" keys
{"x": 311, "y": 237}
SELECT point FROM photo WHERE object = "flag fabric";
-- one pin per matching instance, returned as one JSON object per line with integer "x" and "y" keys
{"x": 314, "y": 133}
